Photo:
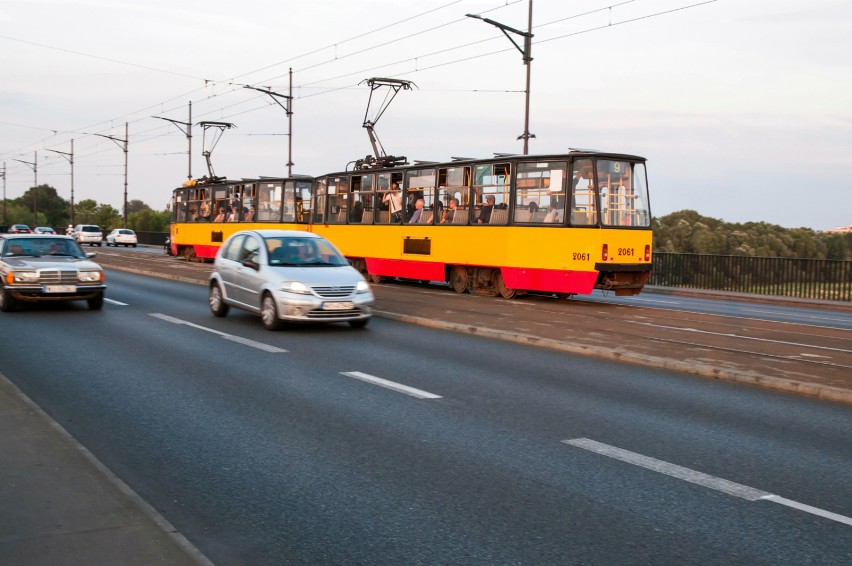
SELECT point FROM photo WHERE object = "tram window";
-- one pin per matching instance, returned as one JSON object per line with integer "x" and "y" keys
{"x": 540, "y": 193}
{"x": 362, "y": 199}
{"x": 623, "y": 198}
{"x": 420, "y": 184}
{"x": 491, "y": 182}
{"x": 320, "y": 200}
{"x": 583, "y": 207}
{"x": 389, "y": 199}
{"x": 249, "y": 199}
{"x": 338, "y": 200}
{"x": 269, "y": 202}
{"x": 300, "y": 211}
{"x": 453, "y": 183}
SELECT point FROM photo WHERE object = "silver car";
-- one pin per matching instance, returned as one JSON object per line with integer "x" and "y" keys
{"x": 288, "y": 276}
{"x": 36, "y": 268}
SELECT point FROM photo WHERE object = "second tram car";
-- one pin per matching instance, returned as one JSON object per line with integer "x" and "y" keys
{"x": 561, "y": 223}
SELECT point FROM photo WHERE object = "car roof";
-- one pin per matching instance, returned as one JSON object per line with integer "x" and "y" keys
{"x": 280, "y": 234}
{"x": 34, "y": 235}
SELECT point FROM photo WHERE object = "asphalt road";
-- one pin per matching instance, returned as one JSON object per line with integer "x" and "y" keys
{"x": 270, "y": 448}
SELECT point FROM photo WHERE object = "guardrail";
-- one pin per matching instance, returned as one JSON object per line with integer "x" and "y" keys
{"x": 786, "y": 277}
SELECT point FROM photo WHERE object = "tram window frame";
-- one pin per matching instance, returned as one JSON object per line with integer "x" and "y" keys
{"x": 320, "y": 200}
{"x": 383, "y": 213}
{"x": 584, "y": 196}
{"x": 198, "y": 205}
{"x": 542, "y": 183}
{"x": 249, "y": 199}
{"x": 303, "y": 192}
{"x": 269, "y": 195}
{"x": 453, "y": 182}
{"x": 618, "y": 206}
{"x": 420, "y": 184}
{"x": 363, "y": 195}
{"x": 338, "y": 200}
{"x": 491, "y": 179}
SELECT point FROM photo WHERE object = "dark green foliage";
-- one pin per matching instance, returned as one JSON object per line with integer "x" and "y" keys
{"x": 686, "y": 231}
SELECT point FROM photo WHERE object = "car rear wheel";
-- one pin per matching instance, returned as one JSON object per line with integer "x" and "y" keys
{"x": 95, "y": 303}
{"x": 269, "y": 313}
{"x": 217, "y": 303}
{"x": 8, "y": 303}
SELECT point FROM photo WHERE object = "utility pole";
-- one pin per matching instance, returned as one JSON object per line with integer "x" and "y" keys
{"x": 34, "y": 166}
{"x": 188, "y": 133}
{"x": 70, "y": 158}
{"x": 123, "y": 148}
{"x": 526, "y": 52}
{"x": 287, "y": 108}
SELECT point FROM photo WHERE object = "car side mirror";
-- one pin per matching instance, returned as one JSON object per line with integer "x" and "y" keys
{"x": 252, "y": 264}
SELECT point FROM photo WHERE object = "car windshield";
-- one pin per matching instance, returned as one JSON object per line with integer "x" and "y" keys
{"x": 38, "y": 247}
{"x": 303, "y": 252}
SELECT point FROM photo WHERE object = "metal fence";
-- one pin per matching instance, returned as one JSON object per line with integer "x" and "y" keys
{"x": 786, "y": 277}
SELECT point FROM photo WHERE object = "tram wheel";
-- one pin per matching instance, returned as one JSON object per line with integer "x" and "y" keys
{"x": 189, "y": 253}
{"x": 376, "y": 278}
{"x": 504, "y": 291}
{"x": 459, "y": 279}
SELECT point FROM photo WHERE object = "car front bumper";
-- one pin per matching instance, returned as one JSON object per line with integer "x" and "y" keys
{"x": 39, "y": 293}
{"x": 309, "y": 308}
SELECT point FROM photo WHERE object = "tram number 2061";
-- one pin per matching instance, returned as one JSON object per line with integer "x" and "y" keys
{"x": 581, "y": 256}
{"x": 626, "y": 251}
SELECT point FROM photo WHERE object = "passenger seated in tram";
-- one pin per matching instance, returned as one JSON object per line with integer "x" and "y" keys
{"x": 450, "y": 212}
{"x": 418, "y": 211}
{"x": 485, "y": 211}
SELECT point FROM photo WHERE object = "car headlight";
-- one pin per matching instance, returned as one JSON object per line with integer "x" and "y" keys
{"x": 296, "y": 287}
{"x": 21, "y": 277}
{"x": 90, "y": 276}
{"x": 362, "y": 287}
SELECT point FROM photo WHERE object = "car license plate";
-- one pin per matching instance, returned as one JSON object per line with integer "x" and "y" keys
{"x": 60, "y": 289}
{"x": 338, "y": 306}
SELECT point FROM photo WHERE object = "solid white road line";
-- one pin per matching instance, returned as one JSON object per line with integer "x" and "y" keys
{"x": 114, "y": 302}
{"x": 420, "y": 394}
{"x": 693, "y": 476}
{"x": 231, "y": 337}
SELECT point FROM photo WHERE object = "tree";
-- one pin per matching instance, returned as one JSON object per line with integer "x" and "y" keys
{"x": 52, "y": 209}
{"x": 686, "y": 231}
{"x": 148, "y": 220}
{"x": 135, "y": 205}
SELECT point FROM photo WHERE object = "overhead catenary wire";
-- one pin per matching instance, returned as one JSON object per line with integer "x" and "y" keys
{"x": 229, "y": 87}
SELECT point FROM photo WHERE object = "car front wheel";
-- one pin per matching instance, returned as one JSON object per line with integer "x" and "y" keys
{"x": 269, "y": 313}
{"x": 8, "y": 303}
{"x": 96, "y": 302}
{"x": 217, "y": 303}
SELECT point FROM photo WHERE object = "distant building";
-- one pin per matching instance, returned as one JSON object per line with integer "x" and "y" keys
{"x": 840, "y": 230}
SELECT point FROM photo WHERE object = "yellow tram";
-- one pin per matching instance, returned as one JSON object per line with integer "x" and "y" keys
{"x": 562, "y": 223}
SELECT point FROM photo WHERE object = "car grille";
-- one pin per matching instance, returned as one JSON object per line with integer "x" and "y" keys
{"x": 319, "y": 314}
{"x": 332, "y": 292}
{"x": 57, "y": 276}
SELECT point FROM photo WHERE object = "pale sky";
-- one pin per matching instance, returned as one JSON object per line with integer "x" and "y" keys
{"x": 742, "y": 107}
